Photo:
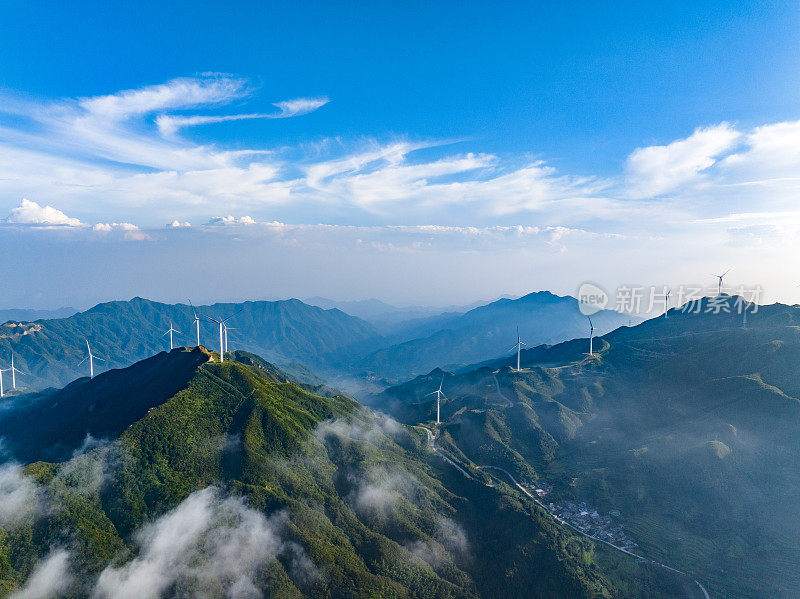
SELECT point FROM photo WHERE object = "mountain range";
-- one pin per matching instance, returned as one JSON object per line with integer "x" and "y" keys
{"x": 123, "y": 332}
{"x": 292, "y": 334}
{"x": 456, "y": 340}
{"x": 684, "y": 426}
{"x": 181, "y": 476}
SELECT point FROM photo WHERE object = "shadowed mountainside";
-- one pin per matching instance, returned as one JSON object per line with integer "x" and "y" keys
{"x": 318, "y": 496}
{"x": 687, "y": 425}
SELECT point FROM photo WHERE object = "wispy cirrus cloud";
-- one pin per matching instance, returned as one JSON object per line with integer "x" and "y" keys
{"x": 119, "y": 160}
{"x": 169, "y": 125}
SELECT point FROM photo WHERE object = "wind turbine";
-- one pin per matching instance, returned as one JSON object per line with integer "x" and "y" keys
{"x": 222, "y": 336}
{"x": 2, "y": 370}
{"x": 591, "y": 337}
{"x": 439, "y": 396}
{"x": 91, "y": 357}
{"x": 227, "y": 328}
{"x": 14, "y": 370}
{"x": 169, "y": 332}
{"x": 196, "y": 322}
{"x": 518, "y": 345}
{"x": 719, "y": 286}
{"x": 666, "y": 303}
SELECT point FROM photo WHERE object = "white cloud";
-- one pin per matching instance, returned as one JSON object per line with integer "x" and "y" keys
{"x": 177, "y": 93}
{"x": 656, "y": 170}
{"x": 299, "y": 106}
{"x": 121, "y": 156}
{"x": 169, "y": 125}
{"x": 129, "y": 231}
{"x": 231, "y": 220}
{"x": 19, "y": 495}
{"x": 771, "y": 154}
{"x": 207, "y": 544}
{"x": 51, "y": 578}
{"x": 31, "y": 213}
{"x": 176, "y": 224}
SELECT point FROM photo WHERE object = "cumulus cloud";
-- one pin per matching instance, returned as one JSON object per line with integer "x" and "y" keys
{"x": 19, "y": 494}
{"x": 231, "y": 220}
{"x": 51, "y": 578}
{"x": 128, "y": 230}
{"x": 31, "y": 213}
{"x": 207, "y": 543}
{"x": 176, "y": 224}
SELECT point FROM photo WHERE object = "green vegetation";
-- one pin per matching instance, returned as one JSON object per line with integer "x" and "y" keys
{"x": 357, "y": 505}
{"x": 686, "y": 425}
{"x": 125, "y": 332}
{"x": 453, "y": 341}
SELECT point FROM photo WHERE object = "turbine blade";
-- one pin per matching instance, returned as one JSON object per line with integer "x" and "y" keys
{"x": 232, "y": 315}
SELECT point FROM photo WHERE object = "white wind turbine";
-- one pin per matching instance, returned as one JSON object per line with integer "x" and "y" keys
{"x": 591, "y": 337}
{"x": 227, "y": 328}
{"x": 222, "y": 336}
{"x": 719, "y": 284}
{"x": 439, "y": 396}
{"x": 91, "y": 357}
{"x": 169, "y": 332}
{"x": 666, "y": 303}
{"x": 518, "y": 346}
{"x": 196, "y": 322}
{"x": 2, "y": 370}
{"x": 14, "y": 370}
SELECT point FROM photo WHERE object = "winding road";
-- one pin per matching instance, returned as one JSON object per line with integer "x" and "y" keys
{"x": 432, "y": 445}
{"x": 499, "y": 392}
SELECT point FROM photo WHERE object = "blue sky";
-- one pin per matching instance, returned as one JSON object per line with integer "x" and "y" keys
{"x": 374, "y": 146}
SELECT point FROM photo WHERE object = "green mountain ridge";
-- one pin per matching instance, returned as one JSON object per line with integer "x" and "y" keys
{"x": 687, "y": 425}
{"x": 319, "y": 496}
{"x": 459, "y": 340}
{"x": 122, "y": 333}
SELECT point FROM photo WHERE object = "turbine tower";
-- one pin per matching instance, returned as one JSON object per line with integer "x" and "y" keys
{"x": 666, "y": 303}
{"x": 2, "y": 370}
{"x": 518, "y": 346}
{"x": 439, "y": 396}
{"x": 91, "y": 357}
{"x": 169, "y": 332}
{"x": 591, "y": 337}
{"x": 719, "y": 284}
{"x": 222, "y": 336}
{"x": 196, "y": 322}
{"x": 227, "y": 328}
{"x": 14, "y": 370}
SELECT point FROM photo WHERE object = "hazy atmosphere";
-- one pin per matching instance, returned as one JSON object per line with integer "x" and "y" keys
{"x": 535, "y": 146}
{"x": 346, "y": 300}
